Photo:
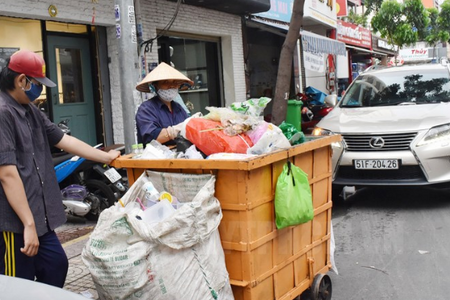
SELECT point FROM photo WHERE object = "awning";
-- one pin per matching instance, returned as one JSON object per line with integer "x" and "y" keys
{"x": 320, "y": 44}
{"x": 311, "y": 42}
{"x": 278, "y": 28}
{"x": 366, "y": 50}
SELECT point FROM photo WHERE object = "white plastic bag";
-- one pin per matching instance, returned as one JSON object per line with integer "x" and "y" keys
{"x": 272, "y": 139}
{"x": 178, "y": 258}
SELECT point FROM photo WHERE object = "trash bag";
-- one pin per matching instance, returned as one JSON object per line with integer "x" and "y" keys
{"x": 180, "y": 257}
{"x": 294, "y": 136}
{"x": 208, "y": 136}
{"x": 293, "y": 197}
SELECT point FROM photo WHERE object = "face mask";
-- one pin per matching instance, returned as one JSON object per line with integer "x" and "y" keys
{"x": 34, "y": 92}
{"x": 168, "y": 95}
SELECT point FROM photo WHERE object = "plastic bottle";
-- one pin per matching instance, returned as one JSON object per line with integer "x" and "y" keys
{"x": 140, "y": 148}
{"x": 134, "y": 149}
{"x": 151, "y": 193}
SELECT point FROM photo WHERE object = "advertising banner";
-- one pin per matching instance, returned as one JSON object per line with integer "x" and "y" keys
{"x": 314, "y": 61}
{"x": 321, "y": 11}
{"x": 280, "y": 10}
{"x": 352, "y": 34}
{"x": 415, "y": 54}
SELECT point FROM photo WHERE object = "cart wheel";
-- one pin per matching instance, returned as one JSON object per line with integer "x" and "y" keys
{"x": 321, "y": 287}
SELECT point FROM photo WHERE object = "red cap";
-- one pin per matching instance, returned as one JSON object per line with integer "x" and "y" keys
{"x": 31, "y": 64}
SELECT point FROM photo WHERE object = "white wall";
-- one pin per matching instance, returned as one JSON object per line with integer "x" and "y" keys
{"x": 195, "y": 20}
{"x": 155, "y": 15}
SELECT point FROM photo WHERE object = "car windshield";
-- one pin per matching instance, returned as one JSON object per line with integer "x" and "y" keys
{"x": 399, "y": 87}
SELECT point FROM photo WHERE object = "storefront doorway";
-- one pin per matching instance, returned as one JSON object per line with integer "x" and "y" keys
{"x": 69, "y": 67}
{"x": 199, "y": 59}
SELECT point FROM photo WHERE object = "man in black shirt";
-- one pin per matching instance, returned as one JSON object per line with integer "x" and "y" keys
{"x": 30, "y": 200}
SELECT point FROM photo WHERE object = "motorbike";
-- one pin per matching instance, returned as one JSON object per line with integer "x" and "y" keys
{"x": 88, "y": 187}
{"x": 316, "y": 105}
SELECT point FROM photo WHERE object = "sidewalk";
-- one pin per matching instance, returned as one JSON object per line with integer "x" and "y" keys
{"x": 78, "y": 277}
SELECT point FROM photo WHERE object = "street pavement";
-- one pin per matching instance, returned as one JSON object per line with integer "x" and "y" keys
{"x": 78, "y": 279}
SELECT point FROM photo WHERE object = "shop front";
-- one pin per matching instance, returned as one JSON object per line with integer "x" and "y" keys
{"x": 98, "y": 52}
{"x": 382, "y": 50}
{"x": 67, "y": 37}
{"x": 314, "y": 57}
{"x": 358, "y": 42}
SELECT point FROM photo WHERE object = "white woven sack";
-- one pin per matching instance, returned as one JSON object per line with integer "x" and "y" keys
{"x": 178, "y": 258}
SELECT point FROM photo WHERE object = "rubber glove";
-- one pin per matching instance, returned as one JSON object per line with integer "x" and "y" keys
{"x": 181, "y": 127}
{"x": 173, "y": 131}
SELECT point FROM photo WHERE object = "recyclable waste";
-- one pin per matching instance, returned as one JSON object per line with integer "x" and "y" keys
{"x": 158, "y": 212}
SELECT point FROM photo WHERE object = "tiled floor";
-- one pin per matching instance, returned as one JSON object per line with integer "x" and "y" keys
{"x": 79, "y": 279}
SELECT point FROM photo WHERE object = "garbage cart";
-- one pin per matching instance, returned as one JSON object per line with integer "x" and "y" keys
{"x": 263, "y": 262}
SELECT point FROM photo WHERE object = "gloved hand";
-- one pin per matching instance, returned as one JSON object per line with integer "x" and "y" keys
{"x": 181, "y": 127}
{"x": 173, "y": 131}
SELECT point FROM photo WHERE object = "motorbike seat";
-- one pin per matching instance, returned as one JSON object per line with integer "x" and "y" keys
{"x": 59, "y": 159}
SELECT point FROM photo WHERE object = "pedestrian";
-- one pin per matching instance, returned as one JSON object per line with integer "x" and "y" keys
{"x": 30, "y": 199}
{"x": 156, "y": 118}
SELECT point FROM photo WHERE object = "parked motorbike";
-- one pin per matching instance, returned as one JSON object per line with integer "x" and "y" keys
{"x": 88, "y": 187}
{"x": 314, "y": 107}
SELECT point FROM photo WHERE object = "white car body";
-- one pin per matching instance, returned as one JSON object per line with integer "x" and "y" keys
{"x": 403, "y": 144}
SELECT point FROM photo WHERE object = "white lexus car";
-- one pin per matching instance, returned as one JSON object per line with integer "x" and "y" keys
{"x": 395, "y": 127}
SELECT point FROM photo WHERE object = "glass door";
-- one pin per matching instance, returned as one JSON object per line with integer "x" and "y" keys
{"x": 73, "y": 99}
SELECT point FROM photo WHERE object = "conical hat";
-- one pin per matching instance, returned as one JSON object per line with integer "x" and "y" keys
{"x": 162, "y": 72}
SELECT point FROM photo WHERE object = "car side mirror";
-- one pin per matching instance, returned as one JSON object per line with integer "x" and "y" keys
{"x": 331, "y": 100}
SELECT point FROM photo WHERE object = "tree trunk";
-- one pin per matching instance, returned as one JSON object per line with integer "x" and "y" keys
{"x": 282, "y": 86}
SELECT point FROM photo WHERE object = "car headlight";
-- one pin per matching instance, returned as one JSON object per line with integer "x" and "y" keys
{"x": 435, "y": 135}
{"x": 321, "y": 132}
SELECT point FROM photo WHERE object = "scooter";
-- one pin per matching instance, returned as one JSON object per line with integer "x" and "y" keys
{"x": 314, "y": 107}
{"x": 84, "y": 195}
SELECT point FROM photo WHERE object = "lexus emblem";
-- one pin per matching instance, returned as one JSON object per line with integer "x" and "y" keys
{"x": 376, "y": 142}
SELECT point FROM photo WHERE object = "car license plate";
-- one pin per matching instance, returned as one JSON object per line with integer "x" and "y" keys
{"x": 374, "y": 164}
{"x": 112, "y": 175}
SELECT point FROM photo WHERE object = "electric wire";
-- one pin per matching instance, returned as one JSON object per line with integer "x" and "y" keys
{"x": 148, "y": 44}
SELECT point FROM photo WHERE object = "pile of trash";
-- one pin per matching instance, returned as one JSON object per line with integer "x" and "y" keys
{"x": 234, "y": 132}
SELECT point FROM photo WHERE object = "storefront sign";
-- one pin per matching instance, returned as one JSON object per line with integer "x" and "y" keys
{"x": 354, "y": 35}
{"x": 280, "y": 10}
{"x": 321, "y": 11}
{"x": 414, "y": 54}
{"x": 384, "y": 44}
{"x": 341, "y": 8}
{"x": 314, "y": 61}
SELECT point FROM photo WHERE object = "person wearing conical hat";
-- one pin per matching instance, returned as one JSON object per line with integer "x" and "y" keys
{"x": 156, "y": 117}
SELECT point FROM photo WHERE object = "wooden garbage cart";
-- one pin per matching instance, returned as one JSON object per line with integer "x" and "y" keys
{"x": 263, "y": 262}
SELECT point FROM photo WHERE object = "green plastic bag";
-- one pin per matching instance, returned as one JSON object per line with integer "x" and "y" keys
{"x": 294, "y": 136}
{"x": 293, "y": 198}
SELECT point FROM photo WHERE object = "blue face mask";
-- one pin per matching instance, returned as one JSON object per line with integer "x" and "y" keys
{"x": 34, "y": 92}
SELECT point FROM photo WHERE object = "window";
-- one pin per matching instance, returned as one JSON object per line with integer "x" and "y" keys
{"x": 199, "y": 59}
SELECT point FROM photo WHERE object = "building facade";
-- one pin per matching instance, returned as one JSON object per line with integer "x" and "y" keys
{"x": 98, "y": 50}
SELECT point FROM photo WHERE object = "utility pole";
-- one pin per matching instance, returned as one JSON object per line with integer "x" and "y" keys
{"x": 129, "y": 68}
